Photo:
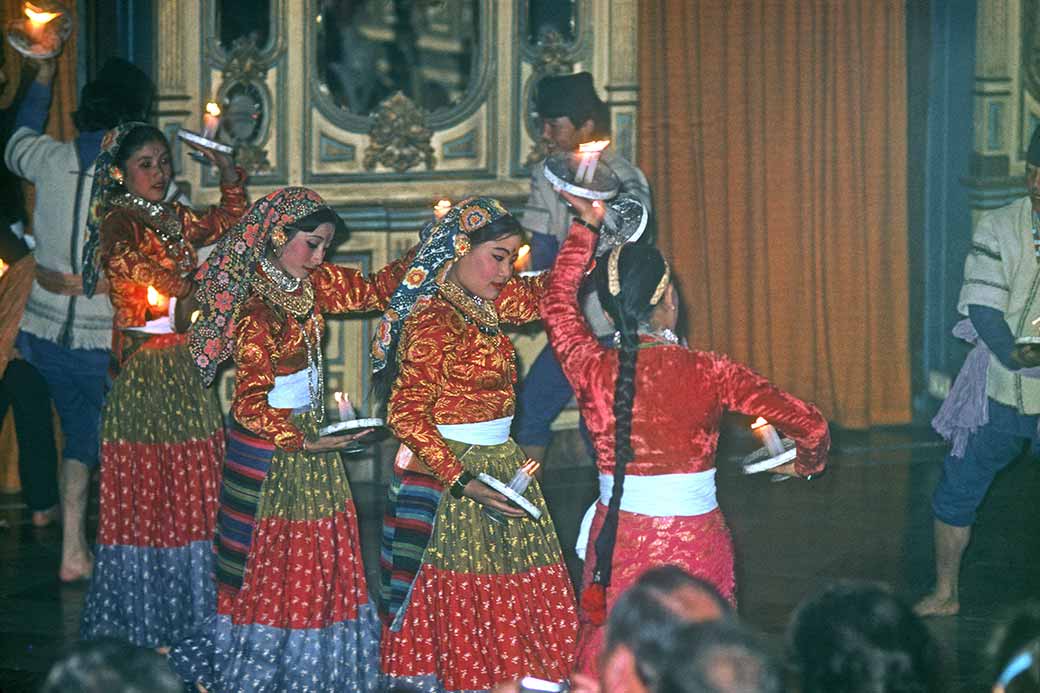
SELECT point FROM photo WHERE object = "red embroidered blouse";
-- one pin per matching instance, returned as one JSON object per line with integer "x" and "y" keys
{"x": 269, "y": 343}
{"x": 680, "y": 393}
{"x": 134, "y": 257}
{"x": 452, "y": 373}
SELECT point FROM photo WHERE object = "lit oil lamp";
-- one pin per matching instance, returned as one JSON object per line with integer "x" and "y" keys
{"x": 41, "y": 31}
{"x": 157, "y": 300}
{"x": 589, "y": 153}
{"x": 768, "y": 435}
{"x": 210, "y": 120}
{"x": 580, "y": 172}
{"x": 3, "y": 268}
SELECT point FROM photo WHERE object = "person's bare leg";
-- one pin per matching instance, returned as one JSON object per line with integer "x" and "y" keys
{"x": 950, "y": 543}
{"x": 535, "y": 452}
{"x": 76, "y": 560}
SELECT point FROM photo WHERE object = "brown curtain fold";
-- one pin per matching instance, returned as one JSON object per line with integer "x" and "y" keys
{"x": 773, "y": 133}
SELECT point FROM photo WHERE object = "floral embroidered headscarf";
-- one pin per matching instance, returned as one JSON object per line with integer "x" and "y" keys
{"x": 105, "y": 183}
{"x": 440, "y": 243}
{"x": 226, "y": 276}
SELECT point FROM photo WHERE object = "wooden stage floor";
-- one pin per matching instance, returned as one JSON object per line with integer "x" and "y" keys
{"x": 868, "y": 518}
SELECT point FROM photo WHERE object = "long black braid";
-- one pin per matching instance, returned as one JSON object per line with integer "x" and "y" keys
{"x": 640, "y": 269}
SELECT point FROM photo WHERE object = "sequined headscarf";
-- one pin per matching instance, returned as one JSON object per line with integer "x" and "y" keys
{"x": 226, "y": 276}
{"x": 105, "y": 183}
{"x": 440, "y": 243}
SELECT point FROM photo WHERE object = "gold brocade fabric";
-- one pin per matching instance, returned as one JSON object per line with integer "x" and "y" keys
{"x": 302, "y": 485}
{"x": 466, "y": 541}
{"x": 159, "y": 398}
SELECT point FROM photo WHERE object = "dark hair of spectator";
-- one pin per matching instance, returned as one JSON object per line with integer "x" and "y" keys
{"x": 1018, "y": 635}
{"x": 858, "y": 638}
{"x": 107, "y": 665}
{"x": 718, "y": 657}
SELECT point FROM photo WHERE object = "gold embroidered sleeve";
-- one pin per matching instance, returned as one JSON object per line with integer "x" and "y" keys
{"x": 123, "y": 257}
{"x": 518, "y": 302}
{"x": 339, "y": 289}
{"x": 424, "y": 354}
{"x": 209, "y": 226}
{"x": 255, "y": 352}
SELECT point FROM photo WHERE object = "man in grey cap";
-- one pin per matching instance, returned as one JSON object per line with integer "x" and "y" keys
{"x": 989, "y": 431}
{"x": 571, "y": 113}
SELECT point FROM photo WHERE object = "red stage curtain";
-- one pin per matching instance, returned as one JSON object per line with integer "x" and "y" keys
{"x": 774, "y": 135}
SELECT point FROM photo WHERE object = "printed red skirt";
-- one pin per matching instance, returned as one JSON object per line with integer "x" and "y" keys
{"x": 700, "y": 544}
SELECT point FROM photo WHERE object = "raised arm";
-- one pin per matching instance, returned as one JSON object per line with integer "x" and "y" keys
{"x": 575, "y": 345}
{"x": 518, "y": 302}
{"x": 207, "y": 227}
{"x": 743, "y": 390}
{"x": 339, "y": 289}
{"x": 255, "y": 347}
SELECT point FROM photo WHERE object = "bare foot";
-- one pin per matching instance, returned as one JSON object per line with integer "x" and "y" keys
{"x": 937, "y": 605}
{"x": 200, "y": 688}
{"x": 45, "y": 518}
{"x": 163, "y": 650}
{"x": 76, "y": 567}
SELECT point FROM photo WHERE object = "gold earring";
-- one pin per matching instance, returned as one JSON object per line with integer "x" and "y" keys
{"x": 278, "y": 237}
{"x": 117, "y": 176}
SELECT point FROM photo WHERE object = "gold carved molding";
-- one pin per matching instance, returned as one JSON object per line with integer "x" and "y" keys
{"x": 245, "y": 65}
{"x": 400, "y": 138}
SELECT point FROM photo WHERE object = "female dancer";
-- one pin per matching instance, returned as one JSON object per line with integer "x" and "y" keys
{"x": 470, "y": 601}
{"x": 652, "y": 407}
{"x": 162, "y": 439}
{"x": 293, "y": 611}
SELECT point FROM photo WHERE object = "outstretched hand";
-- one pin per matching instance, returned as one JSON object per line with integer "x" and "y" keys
{"x": 331, "y": 443}
{"x": 591, "y": 211}
{"x": 222, "y": 161}
{"x": 480, "y": 492}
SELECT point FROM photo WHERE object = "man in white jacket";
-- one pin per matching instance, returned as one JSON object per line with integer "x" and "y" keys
{"x": 65, "y": 335}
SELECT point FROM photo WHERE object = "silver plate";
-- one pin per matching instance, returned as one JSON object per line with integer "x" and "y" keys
{"x": 560, "y": 168}
{"x": 760, "y": 461}
{"x": 514, "y": 497}
{"x": 348, "y": 426}
{"x": 624, "y": 222}
{"x": 205, "y": 142}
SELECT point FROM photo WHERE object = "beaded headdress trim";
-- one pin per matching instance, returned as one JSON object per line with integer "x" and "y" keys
{"x": 614, "y": 278}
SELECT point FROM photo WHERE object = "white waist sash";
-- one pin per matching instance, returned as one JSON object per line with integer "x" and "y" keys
{"x": 661, "y": 495}
{"x": 291, "y": 391}
{"x": 494, "y": 432}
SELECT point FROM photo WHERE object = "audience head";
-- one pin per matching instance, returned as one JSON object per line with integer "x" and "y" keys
{"x": 1014, "y": 652}
{"x": 111, "y": 666}
{"x": 644, "y": 621}
{"x": 858, "y": 638}
{"x": 121, "y": 93}
{"x": 717, "y": 657}
{"x": 571, "y": 111}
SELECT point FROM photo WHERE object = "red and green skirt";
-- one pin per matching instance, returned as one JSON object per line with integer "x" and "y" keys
{"x": 293, "y": 611}
{"x": 488, "y": 602}
{"x": 700, "y": 544}
{"x": 162, "y": 446}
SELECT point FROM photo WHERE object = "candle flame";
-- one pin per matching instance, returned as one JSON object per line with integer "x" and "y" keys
{"x": 594, "y": 146}
{"x": 759, "y": 423}
{"x": 39, "y": 16}
{"x": 212, "y": 108}
{"x": 3, "y": 268}
{"x": 154, "y": 297}
{"x": 1036, "y": 323}
{"x": 338, "y": 396}
{"x": 522, "y": 253}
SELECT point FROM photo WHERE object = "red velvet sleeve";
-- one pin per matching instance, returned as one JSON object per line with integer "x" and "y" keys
{"x": 255, "y": 349}
{"x": 575, "y": 345}
{"x": 209, "y": 226}
{"x": 425, "y": 349}
{"x": 340, "y": 289}
{"x": 122, "y": 241}
{"x": 517, "y": 304}
{"x": 747, "y": 392}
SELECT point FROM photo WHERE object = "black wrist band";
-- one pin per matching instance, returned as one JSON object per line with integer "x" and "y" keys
{"x": 459, "y": 485}
{"x": 591, "y": 227}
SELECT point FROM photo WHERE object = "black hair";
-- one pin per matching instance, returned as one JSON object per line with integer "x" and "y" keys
{"x": 857, "y": 637}
{"x": 121, "y": 93}
{"x": 383, "y": 381}
{"x": 134, "y": 140}
{"x": 1019, "y": 632}
{"x": 640, "y": 269}
{"x": 107, "y": 665}
{"x": 715, "y": 657}
{"x": 323, "y": 215}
